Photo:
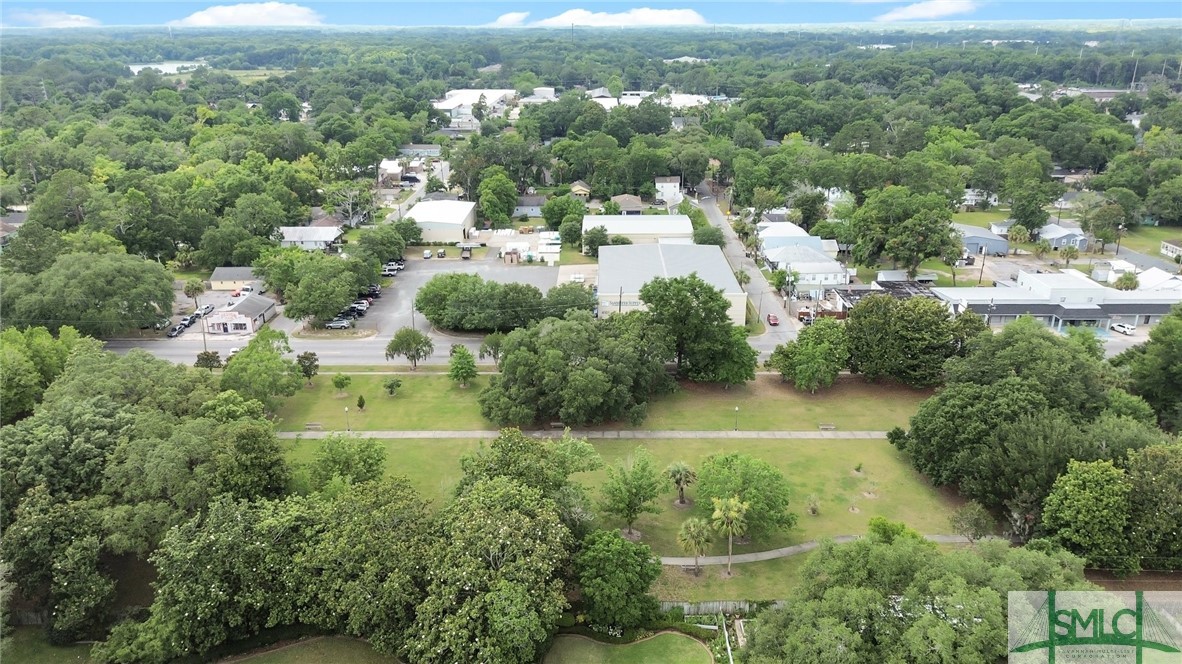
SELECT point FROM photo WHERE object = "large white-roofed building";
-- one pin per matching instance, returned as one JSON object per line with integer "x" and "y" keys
{"x": 625, "y": 269}
{"x": 444, "y": 221}
{"x": 644, "y": 228}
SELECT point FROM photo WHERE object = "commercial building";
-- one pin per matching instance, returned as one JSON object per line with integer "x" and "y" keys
{"x": 243, "y": 316}
{"x": 625, "y": 269}
{"x": 813, "y": 270}
{"x": 1068, "y": 298}
{"x": 644, "y": 229}
{"x": 444, "y": 221}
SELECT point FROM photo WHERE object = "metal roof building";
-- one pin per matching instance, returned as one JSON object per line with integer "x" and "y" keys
{"x": 625, "y": 269}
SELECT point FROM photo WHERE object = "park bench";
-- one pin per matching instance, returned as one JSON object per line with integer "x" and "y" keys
{"x": 557, "y": 425}
{"x": 828, "y": 427}
{"x": 314, "y": 426}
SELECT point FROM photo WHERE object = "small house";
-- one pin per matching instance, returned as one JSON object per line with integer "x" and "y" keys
{"x": 1171, "y": 249}
{"x": 979, "y": 240}
{"x": 231, "y": 278}
{"x": 309, "y": 238}
{"x": 1063, "y": 236}
{"x": 629, "y": 204}
{"x": 245, "y": 315}
{"x": 529, "y": 206}
{"x": 580, "y": 190}
{"x": 668, "y": 189}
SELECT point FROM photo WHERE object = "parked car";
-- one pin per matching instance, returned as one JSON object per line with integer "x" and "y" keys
{"x": 426, "y": 253}
{"x": 808, "y": 321}
{"x": 233, "y": 352}
{"x": 442, "y": 253}
{"x": 361, "y": 304}
{"x": 1123, "y": 328}
{"x": 206, "y": 310}
{"x": 389, "y": 272}
{"x": 348, "y": 314}
{"x": 465, "y": 253}
{"x": 339, "y": 324}
{"x": 188, "y": 321}
{"x": 175, "y": 330}
{"x": 773, "y": 319}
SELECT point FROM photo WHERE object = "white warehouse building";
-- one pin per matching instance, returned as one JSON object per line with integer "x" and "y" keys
{"x": 625, "y": 269}
{"x": 444, "y": 221}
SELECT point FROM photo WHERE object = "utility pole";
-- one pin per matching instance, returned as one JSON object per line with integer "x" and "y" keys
{"x": 620, "y": 302}
{"x": 982, "y": 275}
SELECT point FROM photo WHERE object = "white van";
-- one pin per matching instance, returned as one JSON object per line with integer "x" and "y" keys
{"x": 426, "y": 253}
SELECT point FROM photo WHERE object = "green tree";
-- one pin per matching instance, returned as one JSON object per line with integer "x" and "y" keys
{"x": 1028, "y": 207}
{"x": 1155, "y": 480}
{"x": 209, "y": 359}
{"x": 383, "y": 242}
{"x": 681, "y": 475}
{"x": 260, "y": 214}
{"x": 816, "y": 358}
{"x": 593, "y": 239}
{"x": 309, "y": 364}
{"x": 729, "y": 518}
{"x": 411, "y": 344}
{"x": 1156, "y": 374}
{"x": 193, "y": 289}
{"x": 972, "y": 521}
{"x": 570, "y": 231}
{"x": 1164, "y": 202}
{"x": 1018, "y": 234}
{"x": 497, "y": 195}
{"x": 462, "y": 365}
{"x": 710, "y": 235}
{"x": 632, "y": 488}
{"x": 260, "y": 371}
{"x": 1126, "y": 282}
{"x": 356, "y": 460}
{"x": 926, "y": 234}
{"x": 20, "y": 383}
{"x": 615, "y": 576}
{"x": 500, "y": 607}
{"x": 1041, "y": 249}
{"x": 491, "y": 347}
{"x": 694, "y": 538}
{"x": 410, "y": 231}
{"x": 1088, "y": 510}
{"x": 758, "y": 484}
{"x": 1069, "y": 253}
{"x": 80, "y": 594}
{"x": 341, "y": 382}
{"x": 392, "y": 385}
{"x": 610, "y": 207}
{"x": 557, "y": 209}
{"x": 325, "y": 287}
{"x": 694, "y": 315}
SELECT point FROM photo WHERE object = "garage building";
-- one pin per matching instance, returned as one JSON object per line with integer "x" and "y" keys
{"x": 624, "y": 269}
{"x": 444, "y": 221}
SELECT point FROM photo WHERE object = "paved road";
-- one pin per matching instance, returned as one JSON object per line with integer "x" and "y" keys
{"x": 616, "y": 434}
{"x": 760, "y": 292}
{"x": 787, "y": 551}
{"x": 1145, "y": 261}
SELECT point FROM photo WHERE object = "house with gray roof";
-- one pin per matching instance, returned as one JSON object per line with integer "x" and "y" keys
{"x": 1062, "y": 236}
{"x": 979, "y": 240}
{"x": 243, "y": 315}
{"x": 309, "y": 238}
{"x": 625, "y": 269}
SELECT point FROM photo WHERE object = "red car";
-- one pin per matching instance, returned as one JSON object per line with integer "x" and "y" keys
{"x": 772, "y": 319}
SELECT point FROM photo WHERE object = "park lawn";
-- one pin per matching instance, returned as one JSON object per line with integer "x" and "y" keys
{"x": 887, "y": 486}
{"x": 572, "y": 256}
{"x": 768, "y": 404}
{"x": 824, "y": 468}
{"x": 981, "y": 219}
{"x": 187, "y": 275}
{"x": 767, "y": 580}
{"x": 1148, "y": 239}
{"x": 428, "y": 401}
{"x": 335, "y": 649}
{"x": 662, "y": 648}
{"x": 27, "y": 645}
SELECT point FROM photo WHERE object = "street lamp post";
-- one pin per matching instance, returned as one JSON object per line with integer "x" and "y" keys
{"x": 1120, "y": 230}
{"x": 347, "y": 427}
{"x": 736, "y": 418}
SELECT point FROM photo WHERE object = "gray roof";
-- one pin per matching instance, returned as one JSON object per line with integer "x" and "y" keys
{"x": 1055, "y": 231}
{"x": 252, "y": 305}
{"x": 668, "y": 179}
{"x": 527, "y": 201}
{"x": 232, "y": 274}
{"x": 1173, "y": 243}
{"x": 976, "y": 231}
{"x": 629, "y": 267}
{"x": 628, "y": 202}
{"x": 310, "y": 233}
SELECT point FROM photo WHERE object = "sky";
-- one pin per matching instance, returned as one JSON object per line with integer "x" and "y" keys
{"x": 559, "y": 13}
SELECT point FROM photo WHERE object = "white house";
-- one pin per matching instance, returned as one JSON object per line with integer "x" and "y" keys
{"x": 530, "y": 206}
{"x": 814, "y": 270}
{"x": 243, "y": 316}
{"x": 309, "y": 238}
{"x": 669, "y": 189}
{"x": 1063, "y": 236}
{"x": 444, "y": 221}
{"x": 643, "y": 229}
{"x": 975, "y": 197}
{"x": 458, "y": 103}
{"x": 625, "y": 269}
{"x": 1109, "y": 271}
{"x": 1171, "y": 248}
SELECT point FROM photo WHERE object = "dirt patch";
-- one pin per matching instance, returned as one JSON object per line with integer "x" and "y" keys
{"x": 353, "y": 333}
{"x": 689, "y": 502}
{"x": 857, "y": 473}
{"x": 869, "y": 494}
{"x": 631, "y": 535}
{"x": 854, "y": 509}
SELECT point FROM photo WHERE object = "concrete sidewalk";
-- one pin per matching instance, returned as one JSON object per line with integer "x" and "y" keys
{"x": 627, "y": 434}
{"x": 793, "y": 550}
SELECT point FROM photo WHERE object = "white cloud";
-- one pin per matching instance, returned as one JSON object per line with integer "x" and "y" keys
{"x": 251, "y": 13}
{"x": 510, "y": 20}
{"x": 44, "y": 18}
{"x": 633, "y": 18}
{"x": 929, "y": 10}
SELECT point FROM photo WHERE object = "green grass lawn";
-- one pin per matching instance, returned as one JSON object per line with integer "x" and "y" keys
{"x": 668, "y": 647}
{"x": 982, "y": 219}
{"x": 572, "y": 256}
{"x": 755, "y": 326}
{"x": 767, "y": 404}
{"x": 199, "y": 275}
{"x": 27, "y": 645}
{"x": 772, "y": 579}
{"x": 887, "y": 485}
{"x": 335, "y": 649}
{"x": 430, "y": 401}
{"x": 1147, "y": 239}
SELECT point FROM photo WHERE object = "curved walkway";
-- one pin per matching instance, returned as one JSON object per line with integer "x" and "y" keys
{"x": 787, "y": 551}
{"x": 614, "y": 434}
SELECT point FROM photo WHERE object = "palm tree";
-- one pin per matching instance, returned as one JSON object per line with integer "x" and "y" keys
{"x": 1019, "y": 234}
{"x": 742, "y": 277}
{"x": 193, "y": 288}
{"x": 1042, "y": 248}
{"x": 730, "y": 518}
{"x": 1069, "y": 253}
{"x": 680, "y": 473}
{"x": 693, "y": 538}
